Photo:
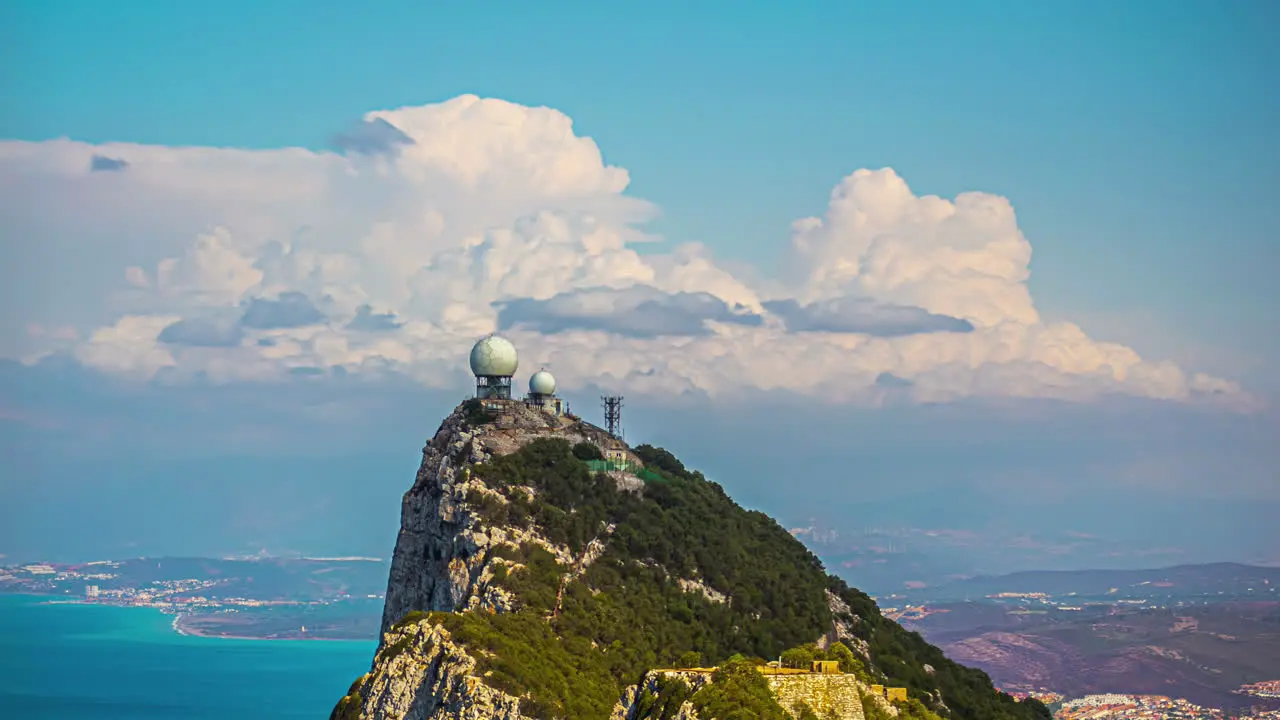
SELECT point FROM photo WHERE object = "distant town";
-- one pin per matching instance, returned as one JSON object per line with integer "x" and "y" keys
{"x": 1113, "y": 706}
{"x": 257, "y": 597}
{"x": 266, "y": 597}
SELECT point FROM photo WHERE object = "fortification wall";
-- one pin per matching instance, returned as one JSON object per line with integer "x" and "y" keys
{"x": 840, "y": 694}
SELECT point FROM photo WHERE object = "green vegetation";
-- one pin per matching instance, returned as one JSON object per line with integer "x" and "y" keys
{"x": 474, "y": 413}
{"x": 587, "y": 452}
{"x": 802, "y": 657}
{"x": 348, "y": 708}
{"x": 690, "y": 659}
{"x": 912, "y": 709}
{"x": 412, "y": 617}
{"x": 574, "y": 642}
{"x": 392, "y": 651}
{"x": 672, "y": 694}
{"x": 519, "y": 653}
{"x": 872, "y": 710}
{"x": 737, "y": 691}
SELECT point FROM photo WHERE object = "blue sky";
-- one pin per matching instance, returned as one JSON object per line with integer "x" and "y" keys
{"x": 1134, "y": 140}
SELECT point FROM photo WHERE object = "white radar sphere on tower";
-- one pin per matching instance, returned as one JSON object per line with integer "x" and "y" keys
{"x": 542, "y": 383}
{"x": 494, "y": 356}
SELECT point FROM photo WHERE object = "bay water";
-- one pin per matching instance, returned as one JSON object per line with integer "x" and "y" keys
{"x": 60, "y": 661}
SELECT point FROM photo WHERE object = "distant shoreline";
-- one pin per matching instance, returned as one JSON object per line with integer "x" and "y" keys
{"x": 180, "y": 624}
{"x": 184, "y": 628}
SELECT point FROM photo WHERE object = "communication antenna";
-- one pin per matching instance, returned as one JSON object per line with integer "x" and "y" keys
{"x": 612, "y": 414}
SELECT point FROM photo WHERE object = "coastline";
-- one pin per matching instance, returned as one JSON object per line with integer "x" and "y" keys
{"x": 181, "y": 627}
{"x": 184, "y": 623}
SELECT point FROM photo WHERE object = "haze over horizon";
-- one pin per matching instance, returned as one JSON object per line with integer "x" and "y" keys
{"x": 997, "y": 272}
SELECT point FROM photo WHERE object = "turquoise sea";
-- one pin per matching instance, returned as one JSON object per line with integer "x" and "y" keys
{"x": 61, "y": 661}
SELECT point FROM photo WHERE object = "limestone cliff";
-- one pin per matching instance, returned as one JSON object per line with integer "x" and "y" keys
{"x": 443, "y": 561}
{"x": 421, "y": 674}
{"x": 442, "y": 554}
{"x": 629, "y": 705}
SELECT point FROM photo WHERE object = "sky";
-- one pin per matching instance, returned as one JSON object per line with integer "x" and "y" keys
{"x": 849, "y": 259}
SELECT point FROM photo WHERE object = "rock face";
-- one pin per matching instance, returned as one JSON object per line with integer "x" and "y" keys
{"x": 626, "y": 708}
{"x": 420, "y": 674}
{"x": 443, "y": 562}
{"x": 843, "y": 621}
{"x": 442, "y": 555}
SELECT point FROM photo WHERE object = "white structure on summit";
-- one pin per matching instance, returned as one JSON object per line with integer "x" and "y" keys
{"x": 493, "y": 362}
{"x": 542, "y": 383}
{"x": 542, "y": 393}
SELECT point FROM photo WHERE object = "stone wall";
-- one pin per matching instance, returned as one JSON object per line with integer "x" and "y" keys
{"x": 841, "y": 694}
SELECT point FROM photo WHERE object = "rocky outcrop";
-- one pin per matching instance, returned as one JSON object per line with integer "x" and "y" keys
{"x": 843, "y": 621}
{"x": 650, "y": 684}
{"x": 442, "y": 559}
{"x": 445, "y": 559}
{"x": 701, "y": 588}
{"x": 421, "y": 674}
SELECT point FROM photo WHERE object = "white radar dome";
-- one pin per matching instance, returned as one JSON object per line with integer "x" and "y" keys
{"x": 494, "y": 356}
{"x": 542, "y": 383}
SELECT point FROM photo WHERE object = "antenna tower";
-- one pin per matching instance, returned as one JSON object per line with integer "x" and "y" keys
{"x": 612, "y": 414}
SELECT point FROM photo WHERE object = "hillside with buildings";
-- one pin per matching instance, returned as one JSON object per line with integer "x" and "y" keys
{"x": 544, "y": 569}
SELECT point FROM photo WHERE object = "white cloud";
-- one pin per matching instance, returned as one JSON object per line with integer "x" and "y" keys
{"x": 130, "y": 346}
{"x": 966, "y": 258}
{"x": 439, "y": 216}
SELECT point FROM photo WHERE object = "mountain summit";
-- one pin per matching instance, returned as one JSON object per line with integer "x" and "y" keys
{"x": 544, "y": 569}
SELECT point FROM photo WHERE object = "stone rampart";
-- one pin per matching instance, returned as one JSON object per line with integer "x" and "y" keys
{"x": 841, "y": 694}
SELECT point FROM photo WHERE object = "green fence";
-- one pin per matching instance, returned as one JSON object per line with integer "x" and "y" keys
{"x": 610, "y": 465}
{"x": 599, "y": 466}
{"x": 648, "y": 475}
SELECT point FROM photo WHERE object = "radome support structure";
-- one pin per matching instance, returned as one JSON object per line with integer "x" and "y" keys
{"x": 612, "y": 414}
{"x": 493, "y": 361}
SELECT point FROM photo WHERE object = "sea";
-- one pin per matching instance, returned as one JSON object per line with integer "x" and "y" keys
{"x": 63, "y": 661}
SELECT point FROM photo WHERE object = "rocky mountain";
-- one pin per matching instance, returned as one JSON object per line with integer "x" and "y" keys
{"x": 532, "y": 579}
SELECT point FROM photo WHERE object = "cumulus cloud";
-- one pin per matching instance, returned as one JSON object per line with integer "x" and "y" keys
{"x": 372, "y": 137}
{"x": 102, "y": 163}
{"x": 639, "y": 311}
{"x": 889, "y": 380}
{"x": 864, "y": 316}
{"x": 366, "y": 320}
{"x": 291, "y": 310}
{"x": 202, "y": 332}
{"x": 463, "y": 217}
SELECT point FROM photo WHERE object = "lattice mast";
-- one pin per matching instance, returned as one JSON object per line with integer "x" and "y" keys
{"x": 612, "y": 414}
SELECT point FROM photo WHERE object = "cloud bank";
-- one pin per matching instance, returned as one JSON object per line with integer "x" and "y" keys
{"x": 430, "y": 226}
